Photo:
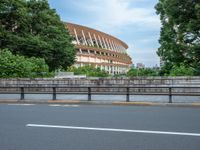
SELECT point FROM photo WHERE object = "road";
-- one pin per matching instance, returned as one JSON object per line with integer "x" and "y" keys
{"x": 98, "y": 127}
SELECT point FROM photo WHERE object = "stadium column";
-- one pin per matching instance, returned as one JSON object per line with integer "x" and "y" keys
{"x": 96, "y": 40}
{"x": 114, "y": 46}
{"x": 84, "y": 38}
{"x": 104, "y": 43}
{"x": 106, "y": 40}
{"x": 111, "y": 44}
{"x": 120, "y": 48}
{"x": 108, "y": 44}
{"x": 100, "y": 42}
{"x": 117, "y": 49}
{"x": 91, "y": 39}
{"x": 76, "y": 36}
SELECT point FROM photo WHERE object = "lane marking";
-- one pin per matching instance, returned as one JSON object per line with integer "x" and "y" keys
{"x": 113, "y": 130}
{"x": 54, "y": 105}
{"x": 57, "y": 105}
{"x": 21, "y": 104}
{"x": 70, "y": 105}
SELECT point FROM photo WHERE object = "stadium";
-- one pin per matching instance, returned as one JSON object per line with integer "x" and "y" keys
{"x": 99, "y": 49}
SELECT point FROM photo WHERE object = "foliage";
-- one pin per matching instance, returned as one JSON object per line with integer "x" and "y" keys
{"x": 89, "y": 71}
{"x": 12, "y": 66}
{"x": 119, "y": 75}
{"x": 32, "y": 28}
{"x": 142, "y": 72}
{"x": 165, "y": 69}
{"x": 180, "y": 33}
{"x": 181, "y": 71}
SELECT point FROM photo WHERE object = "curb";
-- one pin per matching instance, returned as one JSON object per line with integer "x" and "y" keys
{"x": 196, "y": 104}
{"x": 9, "y": 101}
{"x": 101, "y": 103}
{"x": 137, "y": 103}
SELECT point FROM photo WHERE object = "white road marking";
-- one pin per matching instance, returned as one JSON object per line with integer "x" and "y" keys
{"x": 66, "y": 105}
{"x": 22, "y": 104}
{"x": 70, "y": 105}
{"x": 113, "y": 130}
{"x": 75, "y": 105}
{"x": 54, "y": 105}
{"x": 57, "y": 105}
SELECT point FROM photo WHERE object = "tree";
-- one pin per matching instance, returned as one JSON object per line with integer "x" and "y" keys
{"x": 142, "y": 72}
{"x": 32, "y": 28}
{"x": 180, "y": 33}
{"x": 12, "y": 66}
{"x": 181, "y": 71}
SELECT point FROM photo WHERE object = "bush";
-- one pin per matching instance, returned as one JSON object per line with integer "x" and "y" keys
{"x": 12, "y": 66}
{"x": 89, "y": 71}
{"x": 181, "y": 71}
{"x": 142, "y": 72}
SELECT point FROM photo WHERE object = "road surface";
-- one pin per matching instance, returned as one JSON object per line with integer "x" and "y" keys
{"x": 98, "y": 127}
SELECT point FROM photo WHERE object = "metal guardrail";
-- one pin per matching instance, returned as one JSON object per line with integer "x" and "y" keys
{"x": 89, "y": 91}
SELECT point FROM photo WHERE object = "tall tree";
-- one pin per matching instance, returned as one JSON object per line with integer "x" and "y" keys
{"x": 32, "y": 28}
{"x": 180, "y": 33}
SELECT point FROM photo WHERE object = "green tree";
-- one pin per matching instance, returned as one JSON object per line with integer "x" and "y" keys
{"x": 20, "y": 66}
{"x": 32, "y": 28}
{"x": 142, "y": 72}
{"x": 180, "y": 33}
{"x": 181, "y": 71}
{"x": 165, "y": 70}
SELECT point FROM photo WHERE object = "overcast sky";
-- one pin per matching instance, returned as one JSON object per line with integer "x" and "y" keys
{"x": 133, "y": 21}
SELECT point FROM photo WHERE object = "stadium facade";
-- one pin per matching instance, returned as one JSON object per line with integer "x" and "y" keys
{"x": 99, "y": 49}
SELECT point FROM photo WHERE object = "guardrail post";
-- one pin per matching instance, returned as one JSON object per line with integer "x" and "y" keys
{"x": 22, "y": 93}
{"x": 127, "y": 95}
{"x": 170, "y": 95}
{"x": 89, "y": 93}
{"x": 54, "y": 93}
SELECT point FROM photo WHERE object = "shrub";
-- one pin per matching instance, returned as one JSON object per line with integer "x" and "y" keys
{"x": 181, "y": 71}
{"x": 88, "y": 71}
{"x": 12, "y": 66}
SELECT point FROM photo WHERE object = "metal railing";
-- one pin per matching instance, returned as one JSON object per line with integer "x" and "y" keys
{"x": 167, "y": 90}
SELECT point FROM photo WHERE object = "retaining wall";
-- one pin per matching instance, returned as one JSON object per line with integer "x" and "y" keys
{"x": 104, "y": 81}
{"x": 143, "y": 81}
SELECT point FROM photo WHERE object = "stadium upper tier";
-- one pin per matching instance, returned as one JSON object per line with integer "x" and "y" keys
{"x": 99, "y": 49}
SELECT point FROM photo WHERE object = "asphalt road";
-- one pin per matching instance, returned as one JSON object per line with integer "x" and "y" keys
{"x": 96, "y": 127}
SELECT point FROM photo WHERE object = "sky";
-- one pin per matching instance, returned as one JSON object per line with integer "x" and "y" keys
{"x": 133, "y": 21}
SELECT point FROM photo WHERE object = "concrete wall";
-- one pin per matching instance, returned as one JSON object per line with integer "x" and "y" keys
{"x": 186, "y": 81}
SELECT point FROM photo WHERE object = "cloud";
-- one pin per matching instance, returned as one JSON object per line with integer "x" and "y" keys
{"x": 111, "y": 14}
